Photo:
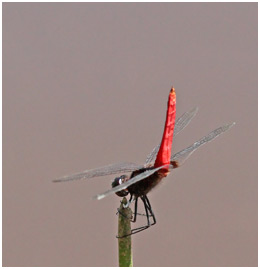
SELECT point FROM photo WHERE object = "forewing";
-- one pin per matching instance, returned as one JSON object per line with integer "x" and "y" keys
{"x": 182, "y": 155}
{"x": 133, "y": 180}
{"x": 101, "y": 171}
{"x": 180, "y": 124}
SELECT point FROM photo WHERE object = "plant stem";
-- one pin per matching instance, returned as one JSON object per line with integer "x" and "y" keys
{"x": 125, "y": 244}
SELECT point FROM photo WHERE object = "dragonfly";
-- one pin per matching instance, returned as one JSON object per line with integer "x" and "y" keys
{"x": 159, "y": 163}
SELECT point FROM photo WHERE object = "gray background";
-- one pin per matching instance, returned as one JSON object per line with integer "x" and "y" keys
{"x": 85, "y": 85}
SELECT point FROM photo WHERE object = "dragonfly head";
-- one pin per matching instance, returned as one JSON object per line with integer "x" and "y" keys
{"x": 118, "y": 181}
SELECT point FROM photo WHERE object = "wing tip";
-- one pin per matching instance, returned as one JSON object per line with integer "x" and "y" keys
{"x": 195, "y": 109}
{"x": 58, "y": 180}
{"x": 229, "y": 125}
{"x": 62, "y": 179}
{"x": 98, "y": 197}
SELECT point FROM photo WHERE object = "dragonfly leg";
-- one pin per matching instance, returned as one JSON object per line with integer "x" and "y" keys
{"x": 150, "y": 210}
{"x": 149, "y": 213}
{"x": 126, "y": 206}
{"x": 146, "y": 210}
{"x": 134, "y": 231}
{"x": 138, "y": 214}
{"x": 129, "y": 202}
{"x": 135, "y": 212}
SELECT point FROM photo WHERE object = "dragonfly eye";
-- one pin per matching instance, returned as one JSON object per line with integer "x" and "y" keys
{"x": 118, "y": 181}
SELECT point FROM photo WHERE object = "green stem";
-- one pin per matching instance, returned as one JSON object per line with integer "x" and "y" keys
{"x": 125, "y": 244}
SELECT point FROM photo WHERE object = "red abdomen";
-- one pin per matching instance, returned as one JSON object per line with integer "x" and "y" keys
{"x": 164, "y": 153}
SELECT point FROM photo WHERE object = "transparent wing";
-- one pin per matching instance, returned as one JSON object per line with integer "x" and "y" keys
{"x": 180, "y": 124}
{"x": 102, "y": 171}
{"x": 183, "y": 155}
{"x": 151, "y": 157}
{"x": 184, "y": 120}
{"x": 133, "y": 180}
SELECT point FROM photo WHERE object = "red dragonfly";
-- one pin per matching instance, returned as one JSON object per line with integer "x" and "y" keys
{"x": 158, "y": 164}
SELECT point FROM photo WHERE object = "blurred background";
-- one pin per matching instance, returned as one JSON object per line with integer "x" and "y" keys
{"x": 85, "y": 85}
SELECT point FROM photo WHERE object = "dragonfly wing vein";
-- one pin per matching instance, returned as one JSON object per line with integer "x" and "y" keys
{"x": 130, "y": 182}
{"x": 101, "y": 171}
{"x": 180, "y": 124}
{"x": 183, "y": 155}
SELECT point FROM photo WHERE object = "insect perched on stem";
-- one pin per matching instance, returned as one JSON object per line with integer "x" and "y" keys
{"x": 158, "y": 164}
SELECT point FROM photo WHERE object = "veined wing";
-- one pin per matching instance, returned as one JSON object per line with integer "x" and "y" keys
{"x": 182, "y": 155}
{"x": 184, "y": 120}
{"x": 180, "y": 124}
{"x": 102, "y": 171}
{"x": 131, "y": 181}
